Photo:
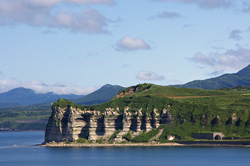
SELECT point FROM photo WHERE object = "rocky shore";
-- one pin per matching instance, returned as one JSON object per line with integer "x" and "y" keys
{"x": 175, "y": 144}
{"x": 63, "y": 144}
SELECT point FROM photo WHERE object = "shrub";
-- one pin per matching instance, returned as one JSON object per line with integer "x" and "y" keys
{"x": 127, "y": 136}
{"x": 100, "y": 141}
{"x": 68, "y": 142}
{"x": 111, "y": 138}
{"x": 146, "y": 136}
{"x": 81, "y": 140}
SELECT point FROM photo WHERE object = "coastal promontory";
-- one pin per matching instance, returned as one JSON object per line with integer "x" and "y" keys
{"x": 148, "y": 113}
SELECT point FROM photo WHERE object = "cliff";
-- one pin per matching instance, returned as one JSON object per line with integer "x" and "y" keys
{"x": 70, "y": 124}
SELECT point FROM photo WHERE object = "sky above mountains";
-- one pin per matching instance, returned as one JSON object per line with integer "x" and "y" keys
{"x": 76, "y": 46}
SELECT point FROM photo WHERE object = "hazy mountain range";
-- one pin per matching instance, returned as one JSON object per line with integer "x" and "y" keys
{"x": 23, "y": 97}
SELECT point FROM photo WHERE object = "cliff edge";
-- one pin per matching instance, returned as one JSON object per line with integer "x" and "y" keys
{"x": 71, "y": 123}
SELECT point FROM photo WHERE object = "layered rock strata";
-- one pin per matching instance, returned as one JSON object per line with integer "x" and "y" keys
{"x": 70, "y": 124}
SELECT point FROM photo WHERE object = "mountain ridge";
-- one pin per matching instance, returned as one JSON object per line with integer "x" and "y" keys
{"x": 241, "y": 78}
{"x": 102, "y": 95}
{"x": 23, "y": 97}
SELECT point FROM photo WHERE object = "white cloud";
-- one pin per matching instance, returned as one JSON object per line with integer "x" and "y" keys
{"x": 231, "y": 60}
{"x": 89, "y": 21}
{"x": 149, "y": 76}
{"x": 43, "y": 13}
{"x": 41, "y": 87}
{"x": 129, "y": 44}
{"x": 205, "y": 4}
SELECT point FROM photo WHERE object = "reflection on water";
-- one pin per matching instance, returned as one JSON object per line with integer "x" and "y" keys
{"x": 16, "y": 149}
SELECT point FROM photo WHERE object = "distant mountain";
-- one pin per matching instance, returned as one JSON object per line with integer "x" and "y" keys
{"x": 242, "y": 78}
{"x": 23, "y": 96}
{"x": 102, "y": 95}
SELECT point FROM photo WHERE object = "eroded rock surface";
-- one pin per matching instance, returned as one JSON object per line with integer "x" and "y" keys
{"x": 70, "y": 124}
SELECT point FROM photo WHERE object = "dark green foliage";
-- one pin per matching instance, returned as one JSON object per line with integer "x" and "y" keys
{"x": 81, "y": 140}
{"x": 100, "y": 141}
{"x": 137, "y": 88}
{"x": 40, "y": 107}
{"x": 63, "y": 103}
{"x": 146, "y": 136}
{"x": 15, "y": 126}
{"x": 142, "y": 87}
{"x": 181, "y": 132}
{"x": 237, "y": 88}
{"x": 68, "y": 142}
{"x": 112, "y": 137}
{"x": 24, "y": 120}
{"x": 128, "y": 136}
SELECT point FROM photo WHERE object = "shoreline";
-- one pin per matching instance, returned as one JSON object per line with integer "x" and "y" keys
{"x": 107, "y": 145}
{"x": 172, "y": 144}
{"x": 21, "y": 130}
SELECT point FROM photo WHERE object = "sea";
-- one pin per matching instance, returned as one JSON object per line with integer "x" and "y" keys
{"x": 19, "y": 149}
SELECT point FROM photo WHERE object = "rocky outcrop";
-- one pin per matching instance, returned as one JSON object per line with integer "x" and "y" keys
{"x": 70, "y": 124}
{"x": 204, "y": 120}
{"x": 133, "y": 89}
{"x": 232, "y": 119}
{"x": 216, "y": 121}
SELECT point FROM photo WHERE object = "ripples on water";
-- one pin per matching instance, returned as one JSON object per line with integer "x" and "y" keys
{"x": 16, "y": 150}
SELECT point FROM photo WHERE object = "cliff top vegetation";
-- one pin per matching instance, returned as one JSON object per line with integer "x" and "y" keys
{"x": 225, "y": 110}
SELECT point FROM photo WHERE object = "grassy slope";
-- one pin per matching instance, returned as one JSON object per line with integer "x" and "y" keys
{"x": 188, "y": 106}
{"x": 149, "y": 95}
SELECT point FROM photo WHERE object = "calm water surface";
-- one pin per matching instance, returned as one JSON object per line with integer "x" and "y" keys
{"x": 16, "y": 149}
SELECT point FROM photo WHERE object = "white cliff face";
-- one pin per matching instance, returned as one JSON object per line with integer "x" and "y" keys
{"x": 70, "y": 124}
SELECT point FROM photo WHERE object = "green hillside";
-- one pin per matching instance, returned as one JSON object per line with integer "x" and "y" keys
{"x": 242, "y": 78}
{"x": 193, "y": 110}
{"x": 149, "y": 95}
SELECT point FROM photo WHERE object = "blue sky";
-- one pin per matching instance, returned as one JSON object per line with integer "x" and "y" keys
{"x": 76, "y": 46}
